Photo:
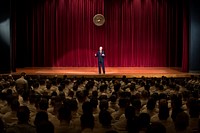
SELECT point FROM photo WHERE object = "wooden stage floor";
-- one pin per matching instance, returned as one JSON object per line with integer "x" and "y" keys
{"x": 118, "y": 72}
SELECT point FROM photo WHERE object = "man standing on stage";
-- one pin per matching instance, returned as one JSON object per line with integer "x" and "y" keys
{"x": 101, "y": 54}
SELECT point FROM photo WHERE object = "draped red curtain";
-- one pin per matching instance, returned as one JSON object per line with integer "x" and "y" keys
{"x": 142, "y": 33}
{"x": 185, "y": 58}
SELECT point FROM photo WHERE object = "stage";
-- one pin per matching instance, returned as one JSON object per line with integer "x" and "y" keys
{"x": 118, "y": 72}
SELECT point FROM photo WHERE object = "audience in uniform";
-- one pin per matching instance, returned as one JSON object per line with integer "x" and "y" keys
{"x": 39, "y": 104}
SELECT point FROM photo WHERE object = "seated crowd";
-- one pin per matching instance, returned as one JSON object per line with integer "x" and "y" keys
{"x": 40, "y": 104}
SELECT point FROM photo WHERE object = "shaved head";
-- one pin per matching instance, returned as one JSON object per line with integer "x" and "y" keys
{"x": 100, "y": 48}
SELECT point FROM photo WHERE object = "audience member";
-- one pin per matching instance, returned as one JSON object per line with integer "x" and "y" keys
{"x": 23, "y": 125}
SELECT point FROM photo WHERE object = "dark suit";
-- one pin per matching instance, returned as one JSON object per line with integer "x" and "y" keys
{"x": 100, "y": 57}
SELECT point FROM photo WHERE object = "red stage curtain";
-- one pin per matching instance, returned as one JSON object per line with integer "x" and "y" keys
{"x": 185, "y": 57}
{"x": 142, "y": 33}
